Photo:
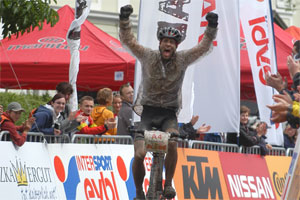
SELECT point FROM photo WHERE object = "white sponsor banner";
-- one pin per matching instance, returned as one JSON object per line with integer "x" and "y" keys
{"x": 26, "y": 172}
{"x": 85, "y": 171}
{"x": 212, "y": 84}
{"x": 217, "y": 76}
{"x": 258, "y": 29}
{"x": 93, "y": 171}
{"x": 69, "y": 171}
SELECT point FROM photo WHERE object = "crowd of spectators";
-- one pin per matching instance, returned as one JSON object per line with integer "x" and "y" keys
{"x": 113, "y": 114}
{"x": 55, "y": 118}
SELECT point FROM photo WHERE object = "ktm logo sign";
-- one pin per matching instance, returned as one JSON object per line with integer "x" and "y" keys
{"x": 208, "y": 179}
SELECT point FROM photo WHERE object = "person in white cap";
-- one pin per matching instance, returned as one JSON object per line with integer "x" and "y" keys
{"x": 8, "y": 120}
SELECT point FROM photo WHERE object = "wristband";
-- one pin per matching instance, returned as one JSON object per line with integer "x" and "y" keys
{"x": 290, "y": 108}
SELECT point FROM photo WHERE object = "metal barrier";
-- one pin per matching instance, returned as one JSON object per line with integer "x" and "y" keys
{"x": 57, "y": 138}
{"x": 289, "y": 151}
{"x": 4, "y": 136}
{"x": 31, "y": 136}
{"x": 35, "y": 137}
{"x": 126, "y": 139}
{"x": 277, "y": 151}
{"x": 182, "y": 143}
{"x": 214, "y": 146}
{"x": 250, "y": 150}
{"x": 101, "y": 139}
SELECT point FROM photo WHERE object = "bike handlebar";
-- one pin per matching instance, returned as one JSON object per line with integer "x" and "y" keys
{"x": 172, "y": 135}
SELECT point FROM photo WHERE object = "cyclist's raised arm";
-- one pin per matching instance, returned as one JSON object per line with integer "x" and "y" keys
{"x": 127, "y": 38}
{"x": 206, "y": 44}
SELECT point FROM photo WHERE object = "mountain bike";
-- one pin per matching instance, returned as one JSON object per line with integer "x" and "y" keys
{"x": 156, "y": 142}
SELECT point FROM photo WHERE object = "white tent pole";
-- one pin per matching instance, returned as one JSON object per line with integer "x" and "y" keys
{"x": 73, "y": 38}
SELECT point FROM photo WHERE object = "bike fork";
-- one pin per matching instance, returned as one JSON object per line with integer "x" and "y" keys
{"x": 155, "y": 184}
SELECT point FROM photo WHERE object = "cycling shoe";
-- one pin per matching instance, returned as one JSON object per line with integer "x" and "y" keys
{"x": 169, "y": 192}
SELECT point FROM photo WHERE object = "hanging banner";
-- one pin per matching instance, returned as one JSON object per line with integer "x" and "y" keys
{"x": 212, "y": 83}
{"x": 73, "y": 38}
{"x": 257, "y": 25}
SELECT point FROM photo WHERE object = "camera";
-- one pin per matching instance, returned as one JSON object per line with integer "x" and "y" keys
{"x": 57, "y": 125}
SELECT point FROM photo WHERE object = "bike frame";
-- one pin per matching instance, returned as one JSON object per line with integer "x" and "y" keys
{"x": 155, "y": 185}
{"x": 156, "y": 142}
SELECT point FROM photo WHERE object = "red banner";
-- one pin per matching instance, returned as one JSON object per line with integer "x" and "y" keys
{"x": 246, "y": 176}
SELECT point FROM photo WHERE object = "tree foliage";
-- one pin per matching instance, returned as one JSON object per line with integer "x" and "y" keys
{"x": 27, "y": 101}
{"x": 20, "y": 16}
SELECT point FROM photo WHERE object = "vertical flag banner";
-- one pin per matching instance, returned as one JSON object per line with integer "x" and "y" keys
{"x": 257, "y": 25}
{"x": 73, "y": 38}
{"x": 212, "y": 84}
{"x": 217, "y": 76}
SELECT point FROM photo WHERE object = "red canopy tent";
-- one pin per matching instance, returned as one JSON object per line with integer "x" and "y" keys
{"x": 284, "y": 44}
{"x": 40, "y": 59}
{"x": 294, "y": 31}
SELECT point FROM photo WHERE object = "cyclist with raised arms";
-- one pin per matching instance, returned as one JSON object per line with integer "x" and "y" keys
{"x": 159, "y": 95}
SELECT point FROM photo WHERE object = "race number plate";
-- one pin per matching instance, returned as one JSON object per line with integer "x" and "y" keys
{"x": 156, "y": 141}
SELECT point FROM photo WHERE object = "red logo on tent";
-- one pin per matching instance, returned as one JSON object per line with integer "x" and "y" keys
{"x": 51, "y": 40}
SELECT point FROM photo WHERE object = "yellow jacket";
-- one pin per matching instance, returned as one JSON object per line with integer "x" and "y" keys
{"x": 296, "y": 109}
{"x": 100, "y": 114}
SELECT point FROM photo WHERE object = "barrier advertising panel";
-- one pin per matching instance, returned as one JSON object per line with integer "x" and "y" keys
{"x": 199, "y": 175}
{"x": 103, "y": 171}
{"x": 278, "y": 167}
{"x": 292, "y": 184}
{"x": 85, "y": 171}
{"x": 26, "y": 172}
{"x": 247, "y": 176}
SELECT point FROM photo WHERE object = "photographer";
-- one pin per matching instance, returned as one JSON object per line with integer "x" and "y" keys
{"x": 8, "y": 120}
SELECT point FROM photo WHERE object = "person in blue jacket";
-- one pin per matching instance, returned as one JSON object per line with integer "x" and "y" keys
{"x": 48, "y": 115}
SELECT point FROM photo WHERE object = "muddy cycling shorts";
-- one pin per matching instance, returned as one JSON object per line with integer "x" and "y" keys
{"x": 157, "y": 117}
